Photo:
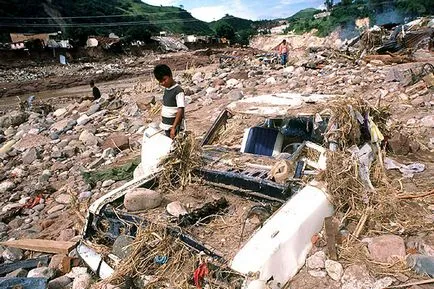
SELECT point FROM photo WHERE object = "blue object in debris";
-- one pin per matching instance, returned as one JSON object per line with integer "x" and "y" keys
{"x": 23, "y": 283}
{"x": 161, "y": 260}
{"x": 261, "y": 141}
{"x": 421, "y": 264}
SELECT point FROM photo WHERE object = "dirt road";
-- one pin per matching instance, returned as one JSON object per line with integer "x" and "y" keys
{"x": 72, "y": 92}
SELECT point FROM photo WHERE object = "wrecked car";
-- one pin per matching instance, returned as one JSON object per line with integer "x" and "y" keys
{"x": 248, "y": 212}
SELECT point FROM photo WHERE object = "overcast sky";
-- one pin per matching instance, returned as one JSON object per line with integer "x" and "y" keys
{"x": 209, "y": 10}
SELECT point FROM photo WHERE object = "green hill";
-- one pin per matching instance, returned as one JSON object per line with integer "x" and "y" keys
{"x": 304, "y": 14}
{"x": 78, "y": 18}
{"x": 237, "y": 23}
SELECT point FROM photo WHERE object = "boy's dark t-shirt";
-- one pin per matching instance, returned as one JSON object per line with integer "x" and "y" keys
{"x": 173, "y": 99}
{"x": 96, "y": 93}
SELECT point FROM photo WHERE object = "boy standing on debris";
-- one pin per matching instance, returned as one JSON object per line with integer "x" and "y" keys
{"x": 95, "y": 91}
{"x": 172, "y": 112}
{"x": 283, "y": 51}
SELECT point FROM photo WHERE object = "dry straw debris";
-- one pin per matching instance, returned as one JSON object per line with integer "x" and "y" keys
{"x": 178, "y": 166}
{"x": 363, "y": 211}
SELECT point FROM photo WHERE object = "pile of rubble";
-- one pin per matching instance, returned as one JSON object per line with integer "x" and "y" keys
{"x": 46, "y": 156}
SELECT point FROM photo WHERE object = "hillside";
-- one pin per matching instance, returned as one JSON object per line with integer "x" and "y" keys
{"x": 304, "y": 14}
{"x": 78, "y": 18}
{"x": 237, "y": 23}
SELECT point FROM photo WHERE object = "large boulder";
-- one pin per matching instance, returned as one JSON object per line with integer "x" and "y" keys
{"x": 88, "y": 138}
{"x": 15, "y": 118}
{"x": 142, "y": 199}
{"x": 117, "y": 140}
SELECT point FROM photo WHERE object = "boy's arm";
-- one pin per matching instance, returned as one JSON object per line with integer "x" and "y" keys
{"x": 178, "y": 118}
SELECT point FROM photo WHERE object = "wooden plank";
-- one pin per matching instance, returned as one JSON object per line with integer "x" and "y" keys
{"x": 330, "y": 231}
{"x": 39, "y": 245}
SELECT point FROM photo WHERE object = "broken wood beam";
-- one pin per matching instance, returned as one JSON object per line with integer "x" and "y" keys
{"x": 40, "y": 245}
{"x": 330, "y": 231}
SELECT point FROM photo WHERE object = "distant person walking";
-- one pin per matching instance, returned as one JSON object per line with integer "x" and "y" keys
{"x": 95, "y": 90}
{"x": 283, "y": 51}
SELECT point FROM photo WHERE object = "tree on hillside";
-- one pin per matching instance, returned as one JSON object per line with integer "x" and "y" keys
{"x": 328, "y": 4}
{"x": 346, "y": 2}
{"x": 224, "y": 29}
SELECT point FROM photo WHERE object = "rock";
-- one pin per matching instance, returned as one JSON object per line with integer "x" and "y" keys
{"x": 270, "y": 80}
{"x": 17, "y": 273}
{"x": 384, "y": 248}
{"x": 3, "y": 227}
{"x": 428, "y": 121}
{"x": 12, "y": 254}
{"x": 42, "y": 272}
{"x": 15, "y": 223}
{"x": 7, "y": 147}
{"x": 108, "y": 153}
{"x": 93, "y": 109}
{"x": 77, "y": 271}
{"x": 59, "y": 112}
{"x": 39, "y": 207}
{"x": 121, "y": 246}
{"x": 63, "y": 199}
{"x": 334, "y": 269}
{"x": 14, "y": 118}
{"x": 357, "y": 277}
{"x": 176, "y": 209}
{"x": 232, "y": 83}
{"x": 59, "y": 283}
{"x": 142, "y": 199}
{"x": 84, "y": 195}
{"x": 82, "y": 120}
{"x": 117, "y": 141}
{"x": 316, "y": 261}
{"x": 383, "y": 283}
{"x": 56, "y": 154}
{"x": 400, "y": 144}
{"x": 45, "y": 176}
{"x": 107, "y": 183}
{"x": 46, "y": 223}
{"x": 70, "y": 151}
{"x": 218, "y": 82}
{"x": 197, "y": 77}
{"x": 66, "y": 235}
{"x": 30, "y": 156}
{"x": 288, "y": 70}
{"x": 55, "y": 209}
{"x": 235, "y": 95}
{"x": 54, "y": 135}
{"x": 61, "y": 263}
{"x": 6, "y": 186}
{"x": 317, "y": 273}
{"x": 82, "y": 281}
{"x": 88, "y": 138}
